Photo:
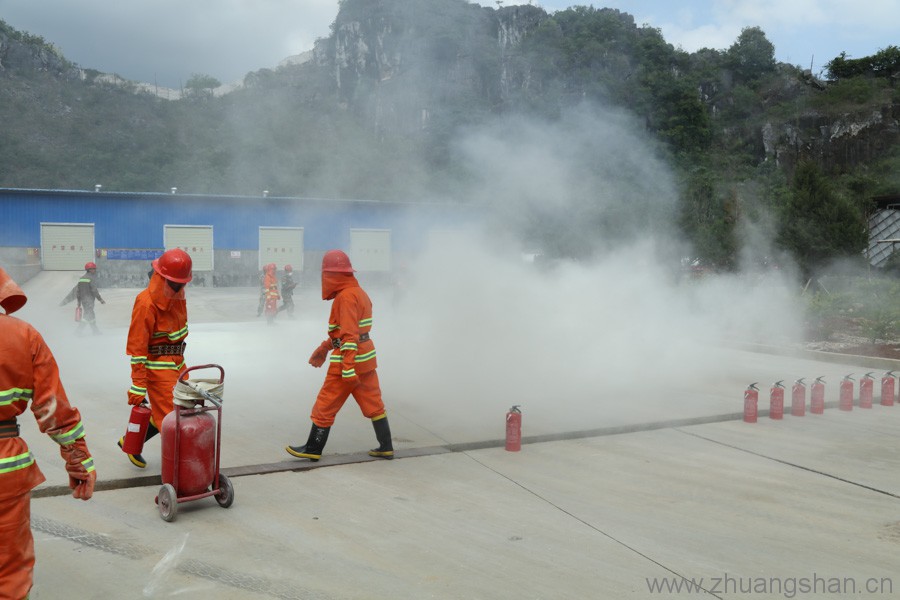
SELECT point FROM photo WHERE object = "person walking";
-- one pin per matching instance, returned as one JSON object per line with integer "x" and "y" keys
{"x": 85, "y": 292}
{"x": 287, "y": 290}
{"x": 29, "y": 374}
{"x": 352, "y": 365}
{"x": 156, "y": 340}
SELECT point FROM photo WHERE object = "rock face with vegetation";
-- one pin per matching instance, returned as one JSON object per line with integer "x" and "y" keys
{"x": 378, "y": 112}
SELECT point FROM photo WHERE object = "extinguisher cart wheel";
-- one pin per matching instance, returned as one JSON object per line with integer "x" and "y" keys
{"x": 167, "y": 502}
{"x": 225, "y": 497}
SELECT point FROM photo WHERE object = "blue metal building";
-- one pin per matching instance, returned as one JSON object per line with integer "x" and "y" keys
{"x": 137, "y": 221}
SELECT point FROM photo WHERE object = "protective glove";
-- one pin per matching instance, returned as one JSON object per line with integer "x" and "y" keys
{"x": 80, "y": 467}
{"x": 103, "y": 302}
{"x": 135, "y": 399}
{"x": 321, "y": 353}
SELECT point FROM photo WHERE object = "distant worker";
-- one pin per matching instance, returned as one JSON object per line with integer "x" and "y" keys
{"x": 287, "y": 291}
{"x": 156, "y": 340}
{"x": 272, "y": 297}
{"x": 85, "y": 291}
{"x": 266, "y": 279}
{"x": 352, "y": 366}
{"x": 29, "y": 373}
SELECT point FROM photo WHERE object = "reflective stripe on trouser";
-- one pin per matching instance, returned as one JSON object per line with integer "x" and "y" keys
{"x": 160, "y": 387}
{"x": 16, "y": 547}
{"x": 335, "y": 392}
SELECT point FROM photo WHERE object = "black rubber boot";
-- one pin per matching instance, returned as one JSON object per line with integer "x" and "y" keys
{"x": 314, "y": 445}
{"x": 137, "y": 459}
{"x": 385, "y": 448}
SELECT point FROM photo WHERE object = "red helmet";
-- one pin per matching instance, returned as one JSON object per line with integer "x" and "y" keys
{"x": 288, "y": 268}
{"x": 336, "y": 261}
{"x": 174, "y": 265}
{"x": 89, "y": 265}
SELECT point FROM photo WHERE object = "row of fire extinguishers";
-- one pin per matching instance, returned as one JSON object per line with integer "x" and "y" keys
{"x": 817, "y": 396}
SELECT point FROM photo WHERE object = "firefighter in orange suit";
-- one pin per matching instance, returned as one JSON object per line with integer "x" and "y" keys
{"x": 156, "y": 339}
{"x": 28, "y": 373}
{"x": 351, "y": 370}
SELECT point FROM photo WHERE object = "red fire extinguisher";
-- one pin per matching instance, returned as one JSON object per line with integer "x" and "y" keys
{"x": 845, "y": 401}
{"x": 514, "y": 429}
{"x": 887, "y": 389}
{"x": 776, "y": 401}
{"x": 196, "y": 453}
{"x": 136, "y": 432}
{"x": 751, "y": 401}
{"x": 77, "y": 313}
{"x": 866, "y": 383}
{"x": 817, "y": 397}
{"x": 798, "y": 398}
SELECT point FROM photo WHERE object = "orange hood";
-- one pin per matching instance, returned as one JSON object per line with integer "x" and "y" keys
{"x": 332, "y": 283}
{"x": 161, "y": 294}
{"x": 12, "y": 298}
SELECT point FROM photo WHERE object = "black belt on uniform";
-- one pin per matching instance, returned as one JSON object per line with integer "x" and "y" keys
{"x": 336, "y": 343}
{"x": 167, "y": 349}
{"x": 9, "y": 429}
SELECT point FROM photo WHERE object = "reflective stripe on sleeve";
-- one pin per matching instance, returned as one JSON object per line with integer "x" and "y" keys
{"x": 138, "y": 360}
{"x": 137, "y": 391}
{"x": 88, "y": 464}
{"x": 69, "y": 437}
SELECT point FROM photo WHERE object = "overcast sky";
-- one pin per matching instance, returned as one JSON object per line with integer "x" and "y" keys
{"x": 166, "y": 41}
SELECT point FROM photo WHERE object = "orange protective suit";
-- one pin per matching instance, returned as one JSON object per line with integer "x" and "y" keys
{"x": 29, "y": 374}
{"x": 351, "y": 369}
{"x": 159, "y": 318}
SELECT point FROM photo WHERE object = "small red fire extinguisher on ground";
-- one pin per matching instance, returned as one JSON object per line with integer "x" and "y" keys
{"x": 817, "y": 397}
{"x": 887, "y": 389}
{"x": 751, "y": 400}
{"x": 798, "y": 398}
{"x": 776, "y": 401}
{"x": 866, "y": 383}
{"x": 514, "y": 429}
{"x": 136, "y": 432}
{"x": 845, "y": 400}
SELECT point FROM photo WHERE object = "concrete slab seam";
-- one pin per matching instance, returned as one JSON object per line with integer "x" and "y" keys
{"x": 790, "y": 464}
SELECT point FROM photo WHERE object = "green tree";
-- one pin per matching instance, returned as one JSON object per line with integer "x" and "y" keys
{"x": 752, "y": 56}
{"x": 200, "y": 86}
{"x": 819, "y": 225}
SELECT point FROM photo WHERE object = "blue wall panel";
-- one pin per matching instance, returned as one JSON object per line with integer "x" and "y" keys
{"x": 137, "y": 220}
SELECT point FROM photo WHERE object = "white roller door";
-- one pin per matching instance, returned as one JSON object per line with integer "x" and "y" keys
{"x": 282, "y": 246}
{"x": 196, "y": 240}
{"x": 370, "y": 249}
{"x": 66, "y": 246}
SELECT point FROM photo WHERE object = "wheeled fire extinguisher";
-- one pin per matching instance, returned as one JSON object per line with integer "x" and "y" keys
{"x": 776, "y": 401}
{"x": 845, "y": 401}
{"x": 798, "y": 398}
{"x": 751, "y": 403}
{"x": 195, "y": 454}
{"x": 136, "y": 432}
{"x": 817, "y": 396}
{"x": 514, "y": 429}
{"x": 887, "y": 389}
{"x": 866, "y": 383}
